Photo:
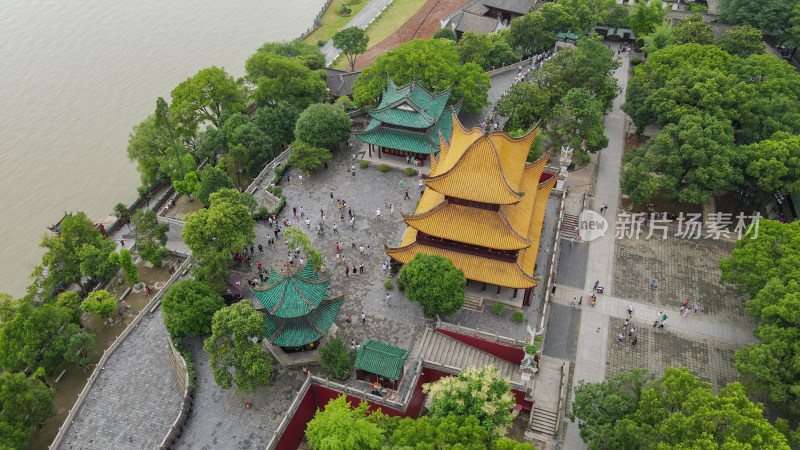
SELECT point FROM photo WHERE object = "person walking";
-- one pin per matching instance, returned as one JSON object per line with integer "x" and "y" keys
{"x": 363, "y": 318}
{"x": 378, "y": 214}
{"x": 369, "y": 252}
{"x": 407, "y": 196}
{"x": 596, "y": 283}
{"x": 391, "y": 209}
{"x": 361, "y": 248}
{"x": 696, "y": 307}
{"x": 663, "y": 321}
{"x": 653, "y": 285}
{"x": 308, "y": 223}
{"x": 388, "y": 299}
{"x": 554, "y": 288}
{"x": 361, "y": 268}
{"x": 335, "y": 231}
{"x": 302, "y": 213}
{"x": 347, "y": 271}
{"x": 658, "y": 319}
{"x": 352, "y": 223}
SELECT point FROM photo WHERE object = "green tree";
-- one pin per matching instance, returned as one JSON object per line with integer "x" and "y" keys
{"x": 644, "y": 18}
{"x": 8, "y": 307}
{"x": 474, "y": 48}
{"x": 759, "y": 257}
{"x": 98, "y": 262}
{"x": 501, "y": 51}
{"x": 188, "y": 185}
{"x": 433, "y": 63}
{"x": 100, "y": 303}
{"x": 659, "y": 38}
{"x": 161, "y": 154}
{"x": 189, "y": 306}
{"x": 120, "y": 210}
{"x": 151, "y": 236}
{"x": 692, "y": 30}
{"x": 481, "y": 393}
{"x": 525, "y": 104}
{"x": 297, "y": 238}
{"x": 211, "y": 143}
{"x": 249, "y": 147}
{"x": 215, "y": 234}
{"x": 559, "y": 18}
{"x": 687, "y": 161}
{"x": 205, "y": 96}
{"x": 81, "y": 347}
{"x": 618, "y": 16}
{"x": 599, "y": 406}
{"x": 70, "y": 301}
{"x": 531, "y": 32}
{"x": 590, "y": 65}
{"x": 774, "y": 164}
{"x": 770, "y": 16}
{"x": 63, "y": 251}
{"x": 24, "y": 403}
{"x": 322, "y": 125}
{"x": 352, "y": 42}
{"x": 308, "y": 54}
{"x": 278, "y": 122}
{"x": 578, "y": 122}
{"x": 308, "y": 157}
{"x": 231, "y": 346}
{"x": 340, "y": 426}
{"x": 130, "y": 269}
{"x": 336, "y": 357}
{"x": 35, "y": 337}
{"x": 444, "y": 33}
{"x": 212, "y": 180}
{"x": 280, "y": 78}
{"x": 741, "y": 41}
{"x": 452, "y": 431}
{"x": 435, "y": 283}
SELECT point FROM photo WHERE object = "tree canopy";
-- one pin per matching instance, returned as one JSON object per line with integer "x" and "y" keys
{"x": 78, "y": 241}
{"x": 743, "y": 41}
{"x": 674, "y": 411}
{"x": 101, "y": 303}
{"x": 339, "y": 426}
{"x": 249, "y": 146}
{"x": 24, "y": 403}
{"x": 481, "y": 393}
{"x": 297, "y": 238}
{"x": 151, "y": 236}
{"x": 189, "y": 306}
{"x": 235, "y": 358}
{"x": 433, "y": 282}
{"x": 281, "y": 78}
{"x": 692, "y": 30}
{"x": 322, "y": 125}
{"x": 578, "y": 122}
{"x": 336, "y": 357}
{"x": 309, "y": 54}
{"x": 644, "y": 18}
{"x": 216, "y": 233}
{"x": 212, "y": 180}
{"x": 205, "y": 96}
{"x": 306, "y": 157}
{"x": 278, "y": 122}
{"x": 434, "y": 63}
{"x": 770, "y": 16}
{"x": 774, "y": 163}
{"x": 444, "y": 33}
{"x": 352, "y": 42}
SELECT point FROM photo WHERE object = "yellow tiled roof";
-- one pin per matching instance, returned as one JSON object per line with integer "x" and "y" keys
{"x": 495, "y": 160}
{"x": 473, "y": 226}
{"x": 477, "y": 268}
{"x": 527, "y": 257}
{"x": 519, "y": 215}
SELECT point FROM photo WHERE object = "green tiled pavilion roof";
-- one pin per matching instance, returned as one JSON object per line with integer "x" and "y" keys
{"x": 299, "y": 331}
{"x": 294, "y": 294}
{"x": 422, "y": 143}
{"x": 423, "y": 106}
{"x": 381, "y": 359}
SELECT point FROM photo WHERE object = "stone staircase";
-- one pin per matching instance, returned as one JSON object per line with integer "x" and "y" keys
{"x": 543, "y": 421}
{"x": 438, "y": 348}
{"x": 567, "y": 229}
{"x": 474, "y": 303}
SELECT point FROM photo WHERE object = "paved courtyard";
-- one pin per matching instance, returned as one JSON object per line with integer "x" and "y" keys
{"x": 219, "y": 419}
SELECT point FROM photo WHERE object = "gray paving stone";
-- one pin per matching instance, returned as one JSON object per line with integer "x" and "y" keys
{"x": 134, "y": 400}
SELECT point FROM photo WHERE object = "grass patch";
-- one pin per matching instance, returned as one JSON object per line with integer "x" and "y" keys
{"x": 391, "y": 19}
{"x": 332, "y": 21}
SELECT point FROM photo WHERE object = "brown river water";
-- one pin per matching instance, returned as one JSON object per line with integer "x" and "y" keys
{"x": 76, "y": 76}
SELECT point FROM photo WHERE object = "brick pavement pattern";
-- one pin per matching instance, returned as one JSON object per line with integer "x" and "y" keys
{"x": 134, "y": 400}
{"x": 219, "y": 418}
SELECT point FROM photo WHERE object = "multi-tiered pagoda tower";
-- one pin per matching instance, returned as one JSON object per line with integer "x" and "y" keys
{"x": 483, "y": 209}
{"x": 297, "y": 309}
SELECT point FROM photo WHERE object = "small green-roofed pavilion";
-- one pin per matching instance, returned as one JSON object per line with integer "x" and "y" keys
{"x": 381, "y": 359}
{"x": 409, "y": 120}
{"x": 292, "y": 294}
{"x": 296, "y": 306}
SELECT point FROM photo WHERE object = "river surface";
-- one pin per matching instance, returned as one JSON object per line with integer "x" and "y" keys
{"x": 76, "y": 76}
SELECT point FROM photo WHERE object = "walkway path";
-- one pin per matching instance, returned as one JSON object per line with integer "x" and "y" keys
{"x": 134, "y": 400}
{"x": 360, "y": 20}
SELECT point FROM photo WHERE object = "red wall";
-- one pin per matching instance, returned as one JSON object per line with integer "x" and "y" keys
{"x": 511, "y": 354}
{"x": 295, "y": 431}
